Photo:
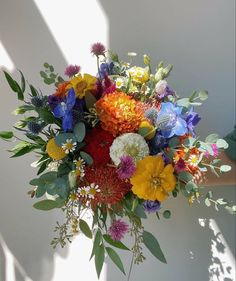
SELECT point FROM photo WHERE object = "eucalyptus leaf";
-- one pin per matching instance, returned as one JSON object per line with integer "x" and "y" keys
{"x": 115, "y": 258}
{"x": 45, "y": 205}
{"x": 183, "y": 102}
{"x": 221, "y": 143}
{"x": 99, "y": 259}
{"x": 87, "y": 158}
{"x": 40, "y": 190}
{"x": 114, "y": 243}
{"x": 203, "y": 95}
{"x": 153, "y": 246}
{"x": 79, "y": 131}
{"x": 167, "y": 214}
{"x": 85, "y": 228}
{"x": 61, "y": 138}
{"x": 139, "y": 211}
{"x": 96, "y": 242}
{"x": 207, "y": 202}
{"x": 225, "y": 168}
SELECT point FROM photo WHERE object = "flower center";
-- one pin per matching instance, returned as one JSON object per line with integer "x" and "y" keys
{"x": 69, "y": 145}
{"x": 81, "y": 86}
{"x": 132, "y": 151}
{"x": 155, "y": 182}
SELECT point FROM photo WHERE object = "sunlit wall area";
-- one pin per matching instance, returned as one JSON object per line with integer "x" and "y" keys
{"x": 31, "y": 33}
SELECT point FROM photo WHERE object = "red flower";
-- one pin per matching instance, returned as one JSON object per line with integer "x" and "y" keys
{"x": 98, "y": 145}
{"x": 112, "y": 189}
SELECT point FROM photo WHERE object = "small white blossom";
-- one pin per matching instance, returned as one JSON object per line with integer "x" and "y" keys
{"x": 92, "y": 190}
{"x": 83, "y": 191}
{"x": 69, "y": 146}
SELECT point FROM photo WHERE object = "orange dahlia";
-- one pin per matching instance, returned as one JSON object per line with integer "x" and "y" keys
{"x": 61, "y": 90}
{"x": 119, "y": 113}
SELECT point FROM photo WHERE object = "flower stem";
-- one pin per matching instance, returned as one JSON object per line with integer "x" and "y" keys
{"x": 131, "y": 266}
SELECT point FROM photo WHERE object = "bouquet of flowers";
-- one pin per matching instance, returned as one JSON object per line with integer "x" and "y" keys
{"x": 116, "y": 146}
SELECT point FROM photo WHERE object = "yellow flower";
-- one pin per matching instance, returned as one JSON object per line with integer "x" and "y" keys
{"x": 138, "y": 74}
{"x": 82, "y": 85}
{"x": 153, "y": 180}
{"x": 54, "y": 150}
{"x": 151, "y": 130}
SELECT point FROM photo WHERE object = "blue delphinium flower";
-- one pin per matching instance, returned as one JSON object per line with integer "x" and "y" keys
{"x": 192, "y": 118}
{"x": 106, "y": 69}
{"x": 64, "y": 110}
{"x": 152, "y": 206}
{"x": 170, "y": 120}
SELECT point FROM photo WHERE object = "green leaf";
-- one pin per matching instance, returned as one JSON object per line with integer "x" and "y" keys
{"x": 61, "y": 138}
{"x": 45, "y": 205}
{"x": 203, "y": 95}
{"x": 46, "y": 65}
{"x": 153, "y": 246}
{"x": 207, "y": 202}
{"x": 85, "y": 228}
{"x": 99, "y": 259}
{"x": 225, "y": 168}
{"x": 79, "y": 131}
{"x": 143, "y": 131}
{"x": 115, "y": 258}
{"x": 90, "y": 100}
{"x": 62, "y": 188}
{"x": 6, "y": 135}
{"x": 12, "y": 83}
{"x": 43, "y": 74}
{"x": 174, "y": 142}
{"x": 48, "y": 177}
{"x": 167, "y": 214}
{"x": 212, "y": 138}
{"x": 184, "y": 176}
{"x": 46, "y": 115}
{"x": 48, "y": 81}
{"x": 22, "y": 109}
{"x": 24, "y": 151}
{"x": 139, "y": 211}
{"x": 114, "y": 243}
{"x": 40, "y": 191}
{"x": 87, "y": 158}
{"x": 191, "y": 186}
{"x": 22, "y": 82}
{"x": 96, "y": 242}
{"x": 34, "y": 92}
{"x": 72, "y": 178}
{"x": 183, "y": 102}
{"x": 221, "y": 143}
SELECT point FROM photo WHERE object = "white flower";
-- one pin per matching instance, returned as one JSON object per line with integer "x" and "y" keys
{"x": 83, "y": 191}
{"x": 53, "y": 166}
{"x": 69, "y": 146}
{"x": 128, "y": 144}
{"x": 120, "y": 82}
{"x": 79, "y": 163}
{"x": 92, "y": 190}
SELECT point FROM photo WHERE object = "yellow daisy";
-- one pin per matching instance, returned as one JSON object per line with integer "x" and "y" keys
{"x": 82, "y": 84}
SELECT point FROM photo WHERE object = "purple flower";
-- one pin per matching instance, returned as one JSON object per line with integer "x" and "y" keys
{"x": 106, "y": 69}
{"x": 170, "y": 121}
{"x": 126, "y": 168}
{"x": 162, "y": 90}
{"x": 53, "y": 101}
{"x": 72, "y": 70}
{"x": 192, "y": 118}
{"x": 64, "y": 111}
{"x": 152, "y": 206}
{"x": 118, "y": 229}
{"x": 98, "y": 49}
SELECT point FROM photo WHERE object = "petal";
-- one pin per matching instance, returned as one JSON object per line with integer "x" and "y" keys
{"x": 59, "y": 111}
{"x": 70, "y": 102}
{"x": 67, "y": 122}
{"x": 180, "y": 128}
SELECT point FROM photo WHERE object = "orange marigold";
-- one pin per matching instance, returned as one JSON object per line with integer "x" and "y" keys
{"x": 119, "y": 113}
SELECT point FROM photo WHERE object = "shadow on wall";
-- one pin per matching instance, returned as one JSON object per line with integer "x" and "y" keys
{"x": 197, "y": 37}
{"x": 27, "y": 233}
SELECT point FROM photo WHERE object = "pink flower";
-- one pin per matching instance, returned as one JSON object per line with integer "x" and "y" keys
{"x": 98, "y": 49}
{"x": 118, "y": 229}
{"x": 214, "y": 149}
{"x": 126, "y": 168}
{"x": 72, "y": 70}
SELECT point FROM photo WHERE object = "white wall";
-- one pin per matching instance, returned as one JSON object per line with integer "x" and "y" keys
{"x": 198, "y": 38}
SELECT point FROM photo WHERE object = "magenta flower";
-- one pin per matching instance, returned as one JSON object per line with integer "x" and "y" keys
{"x": 126, "y": 168}
{"x": 118, "y": 229}
{"x": 215, "y": 151}
{"x": 98, "y": 49}
{"x": 72, "y": 70}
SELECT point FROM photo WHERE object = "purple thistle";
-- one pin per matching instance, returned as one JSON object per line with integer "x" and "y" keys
{"x": 72, "y": 70}
{"x": 98, "y": 49}
{"x": 152, "y": 206}
{"x": 126, "y": 168}
{"x": 118, "y": 229}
